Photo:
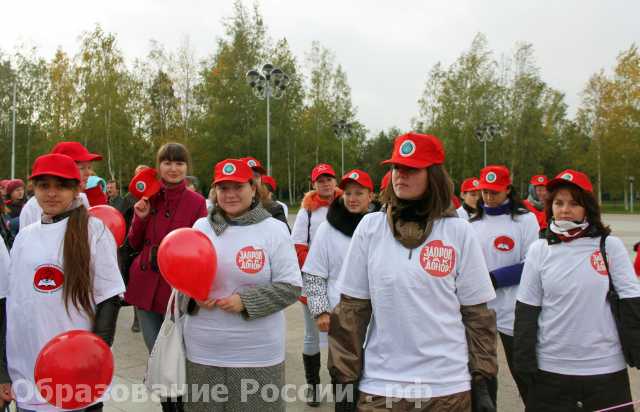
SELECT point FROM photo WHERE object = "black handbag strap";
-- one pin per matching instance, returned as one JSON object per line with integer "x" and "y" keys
{"x": 603, "y": 252}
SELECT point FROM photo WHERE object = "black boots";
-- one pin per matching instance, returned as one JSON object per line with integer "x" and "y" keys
{"x": 312, "y": 373}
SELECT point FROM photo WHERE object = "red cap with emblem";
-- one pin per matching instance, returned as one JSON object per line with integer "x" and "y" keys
{"x": 254, "y": 164}
{"x": 358, "y": 176}
{"x": 269, "y": 181}
{"x": 539, "y": 180}
{"x": 571, "y": 176}
{"x": 232, "y": 170}
{"x": 55, "y": 165}
{"x": 417, "y": 151}
{"x": 145, "y": 184}
{"x": 471, "y": 184}
{"x": 322, "y": 169}
{"x": 76, "y": 151}
{"x": 385, "y": 180}
{"x": 495, "y": 178}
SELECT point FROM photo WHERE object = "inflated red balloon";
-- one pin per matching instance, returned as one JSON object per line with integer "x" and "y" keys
{"x": 111, "y": 219}
{"x": 188, "y": 261}
{"x": 74, "y": 369}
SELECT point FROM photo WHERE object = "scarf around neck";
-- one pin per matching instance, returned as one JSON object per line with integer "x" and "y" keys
{"x": 503, "y": 209}
{"x": 567, "y": 230}
{"x": 341, "y": 219}
{"x": 220, "y": 222}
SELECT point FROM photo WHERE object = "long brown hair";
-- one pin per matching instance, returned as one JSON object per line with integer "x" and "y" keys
{"x": 174, "y": 152}
{"x": 584, "y": 199}
{"x": 436, "y": 202}
{"x": 78, "y": 282}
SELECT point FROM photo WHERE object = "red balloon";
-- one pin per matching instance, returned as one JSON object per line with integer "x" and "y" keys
{"x": 111, "y": 219}
{"x": 188, "y": 261}
{"x": 74, "y": 369}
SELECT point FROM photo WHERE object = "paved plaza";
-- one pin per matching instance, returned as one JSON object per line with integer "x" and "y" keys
{"x": 131, "y": 355}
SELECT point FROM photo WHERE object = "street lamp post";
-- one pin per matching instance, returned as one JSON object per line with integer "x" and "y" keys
{"x": 486, "y": 133}
{"x": 632, "y": 179}
{"x": 271, "y": 83}
{"x": 342, "y": 129}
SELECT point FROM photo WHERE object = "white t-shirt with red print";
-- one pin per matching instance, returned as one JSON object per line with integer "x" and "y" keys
{"x": 504, "y": 242}
{"x": 577, "y": 334}
{"x": 248, "y": 256}
{"x": 35, "y": 306}
{"x": 416, "y": 345}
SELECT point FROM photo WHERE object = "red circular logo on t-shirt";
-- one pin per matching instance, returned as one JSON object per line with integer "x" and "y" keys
{"x": 597, "y": 262}
{"x": 437, "y": 259}
{"x": 48, "y": 278}
{"x": 504, "y": 243}
{"x": 250, "y": 260}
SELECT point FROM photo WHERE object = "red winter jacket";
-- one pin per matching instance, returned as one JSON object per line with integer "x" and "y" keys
{"x": 172, "y": 208}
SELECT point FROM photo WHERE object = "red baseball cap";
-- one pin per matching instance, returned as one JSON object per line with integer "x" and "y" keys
{"x": 232, "y": 170}
{"x": 471, "y": 184}
{"x": 385, "y": 180}
{"x": 539, "y": 180}
{"x": 358, "y": 176}
{"x": 254, "y": 164}
{"x": 145, "y": 184}
{"x": 76, "y": 151}
{"x": 4, "y": 182}
{"x": 322, "y": 169}
{"x": 270, "y": 181}
{"x": 496, "y": 178}
{"x": 571, "y": 176}
{"x": 55, "y": 164}
{"x": 417, "y": 151}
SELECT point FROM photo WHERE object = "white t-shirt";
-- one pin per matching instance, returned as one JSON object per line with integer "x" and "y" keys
{"x": 4, "y": 270}
{"x": 32, "y": 212}
{"x": 248, "y": 256}
{"x": 285, "y": 207}
{"x": 577, "y": 334}
{"x": 326, "y": 256}
{"x": 301, "y": 226}
{"x": 504, "y": 242}
{"x": 416, "y": 345}
{"x": 462, "y": 213}
{"x": 35, "y": 306}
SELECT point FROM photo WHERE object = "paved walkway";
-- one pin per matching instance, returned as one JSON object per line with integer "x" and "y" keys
{"x": 131, "y": 355}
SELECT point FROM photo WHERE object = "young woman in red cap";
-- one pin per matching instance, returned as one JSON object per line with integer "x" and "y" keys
{"x": 238, "y": 333}
{"x": 505, "y": 229}
{"x": 415, "y": 284}
{"x": 566, "y": 339}
{"x": 470, "y": 194}
{"x": 312, "y": 213}
{"x": 321, "y": 269}
{"x": 173, "y": 207}
{"x": 537, "y": 197}
{"x": 32, "y": 212}
{"x": 271, "y": 185}
{"x": 64, "y": 268}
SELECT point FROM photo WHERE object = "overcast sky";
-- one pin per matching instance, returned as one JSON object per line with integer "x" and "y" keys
{"x": 386, "y": 48}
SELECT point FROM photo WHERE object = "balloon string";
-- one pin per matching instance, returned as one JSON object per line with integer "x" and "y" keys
{"x": 618, "y": 406}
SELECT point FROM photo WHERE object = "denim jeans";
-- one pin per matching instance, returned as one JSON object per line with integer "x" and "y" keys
{"x": 150, "y": 323}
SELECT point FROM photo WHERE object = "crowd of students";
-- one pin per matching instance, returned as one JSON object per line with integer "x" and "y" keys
{"x": 409, "y": 293}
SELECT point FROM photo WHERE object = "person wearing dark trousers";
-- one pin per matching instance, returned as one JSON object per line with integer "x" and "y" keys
{"x": 421, "y": 354}
{"x": 172, "y": 208}
{"x": 568, "y": 343}
{"x": 505, "y": 229}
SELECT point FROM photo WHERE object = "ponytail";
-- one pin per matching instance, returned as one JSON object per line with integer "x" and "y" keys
{"x": 78, "y": 282}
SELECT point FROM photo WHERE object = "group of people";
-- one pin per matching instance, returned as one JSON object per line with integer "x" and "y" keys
{"x": 409, "y": 288}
